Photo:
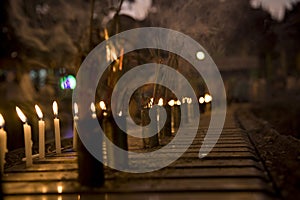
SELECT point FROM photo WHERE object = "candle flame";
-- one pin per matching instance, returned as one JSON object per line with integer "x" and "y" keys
{"x": 59, "y": 189}
{"x": 161, "y": 102}
{"x": 171, "y": 102}
{"x": 201, "y": 100}
{"x": 106, "y": 34}
{"x": 207, "y": 98}
{"x": 150, "y": 103}
{"x": 178, "y": 102}
{"x": 121, "y": 59}
{"x": 200, "y": 55}
{"x": 92, "y": 107}
{"x": 120, "y": 113}
{"x": 2, "y": 121}
{"x": 113, "y": 55}
{"x": 189, "y": 100}
{"x": 38, "y": 111}
{"x": 55, "y": 108}
{"x": 102, "y": 105}
{"x": 151, "y": 100}
{"x": 75, "y": 108}
{"x": 114, "y": 69}
{"x": 21, "y": 114}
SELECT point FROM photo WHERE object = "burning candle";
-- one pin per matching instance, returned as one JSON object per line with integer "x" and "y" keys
{"x": 202, "y": 106}
{"x": 103, "y": 107}
{"x": 201, "y": 100}
{"x": 56, "y": 128}
{"x": 172, "y": 103}
{"x": 160, "y": 103}
{"x": 41, "y": 132}
{"x": 74, "y": 127}
{"x": 207, "y": 99}
{"x": 3, "y": 143}
{"x": 190, "y": 108}
{"x": 27, "y": 137}
{"x": 93, "y": 109}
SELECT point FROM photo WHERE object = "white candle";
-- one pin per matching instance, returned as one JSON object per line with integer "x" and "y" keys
{"x": 190, "y": 109}
{"x": 3, "y": 144}
{"x": 27, "y": 137}
{"x": 103, "y": 107}
{"x": 207, "y": 99}
{"x": 41, "y": 132}
{"x": 172, "y": 103}
{"x": 160, "y": 103}
{"x": 74, "y": 127}
{"x": 56, "y": 128}
{"x": 93, "y": 109}
{"x": 28, "y": 144}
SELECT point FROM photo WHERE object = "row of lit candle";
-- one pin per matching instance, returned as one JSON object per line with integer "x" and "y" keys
{"x": 27, "y": 135}
{"x": 185, "y": 100}
{"x": 41, "y": 128}
{"x": 41, "y": 125}
{"x": 76, "y": 118}
{"x": 206, "y": 99}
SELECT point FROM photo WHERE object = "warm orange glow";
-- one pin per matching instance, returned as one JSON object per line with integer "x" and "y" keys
{"x": 110, "y": 53}
{"x": 55, "y": 108}
{"x": 121, "y": 59}
{"x": 38, "y": 111}
{"x": 113, "y": 54}
{"x": 161, "y": 102}
{"x": 102, "y": 105}
{"x": 2, "y": 122}
{"x": 59, "y": 189}
{"x": 178, "y": 102}
{"x": 44, "y": 189}
{"x": 21, "y": 114}
{"x": 150, "y": 104}
{"x": 201, "y": 100}
{"x": 151, "y": 101}
{"x": 171, "y": 102}
{"x": 106, "y": 34}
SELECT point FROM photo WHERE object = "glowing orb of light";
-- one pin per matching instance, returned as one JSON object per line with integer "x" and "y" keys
{"x": 200, "y": 55}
